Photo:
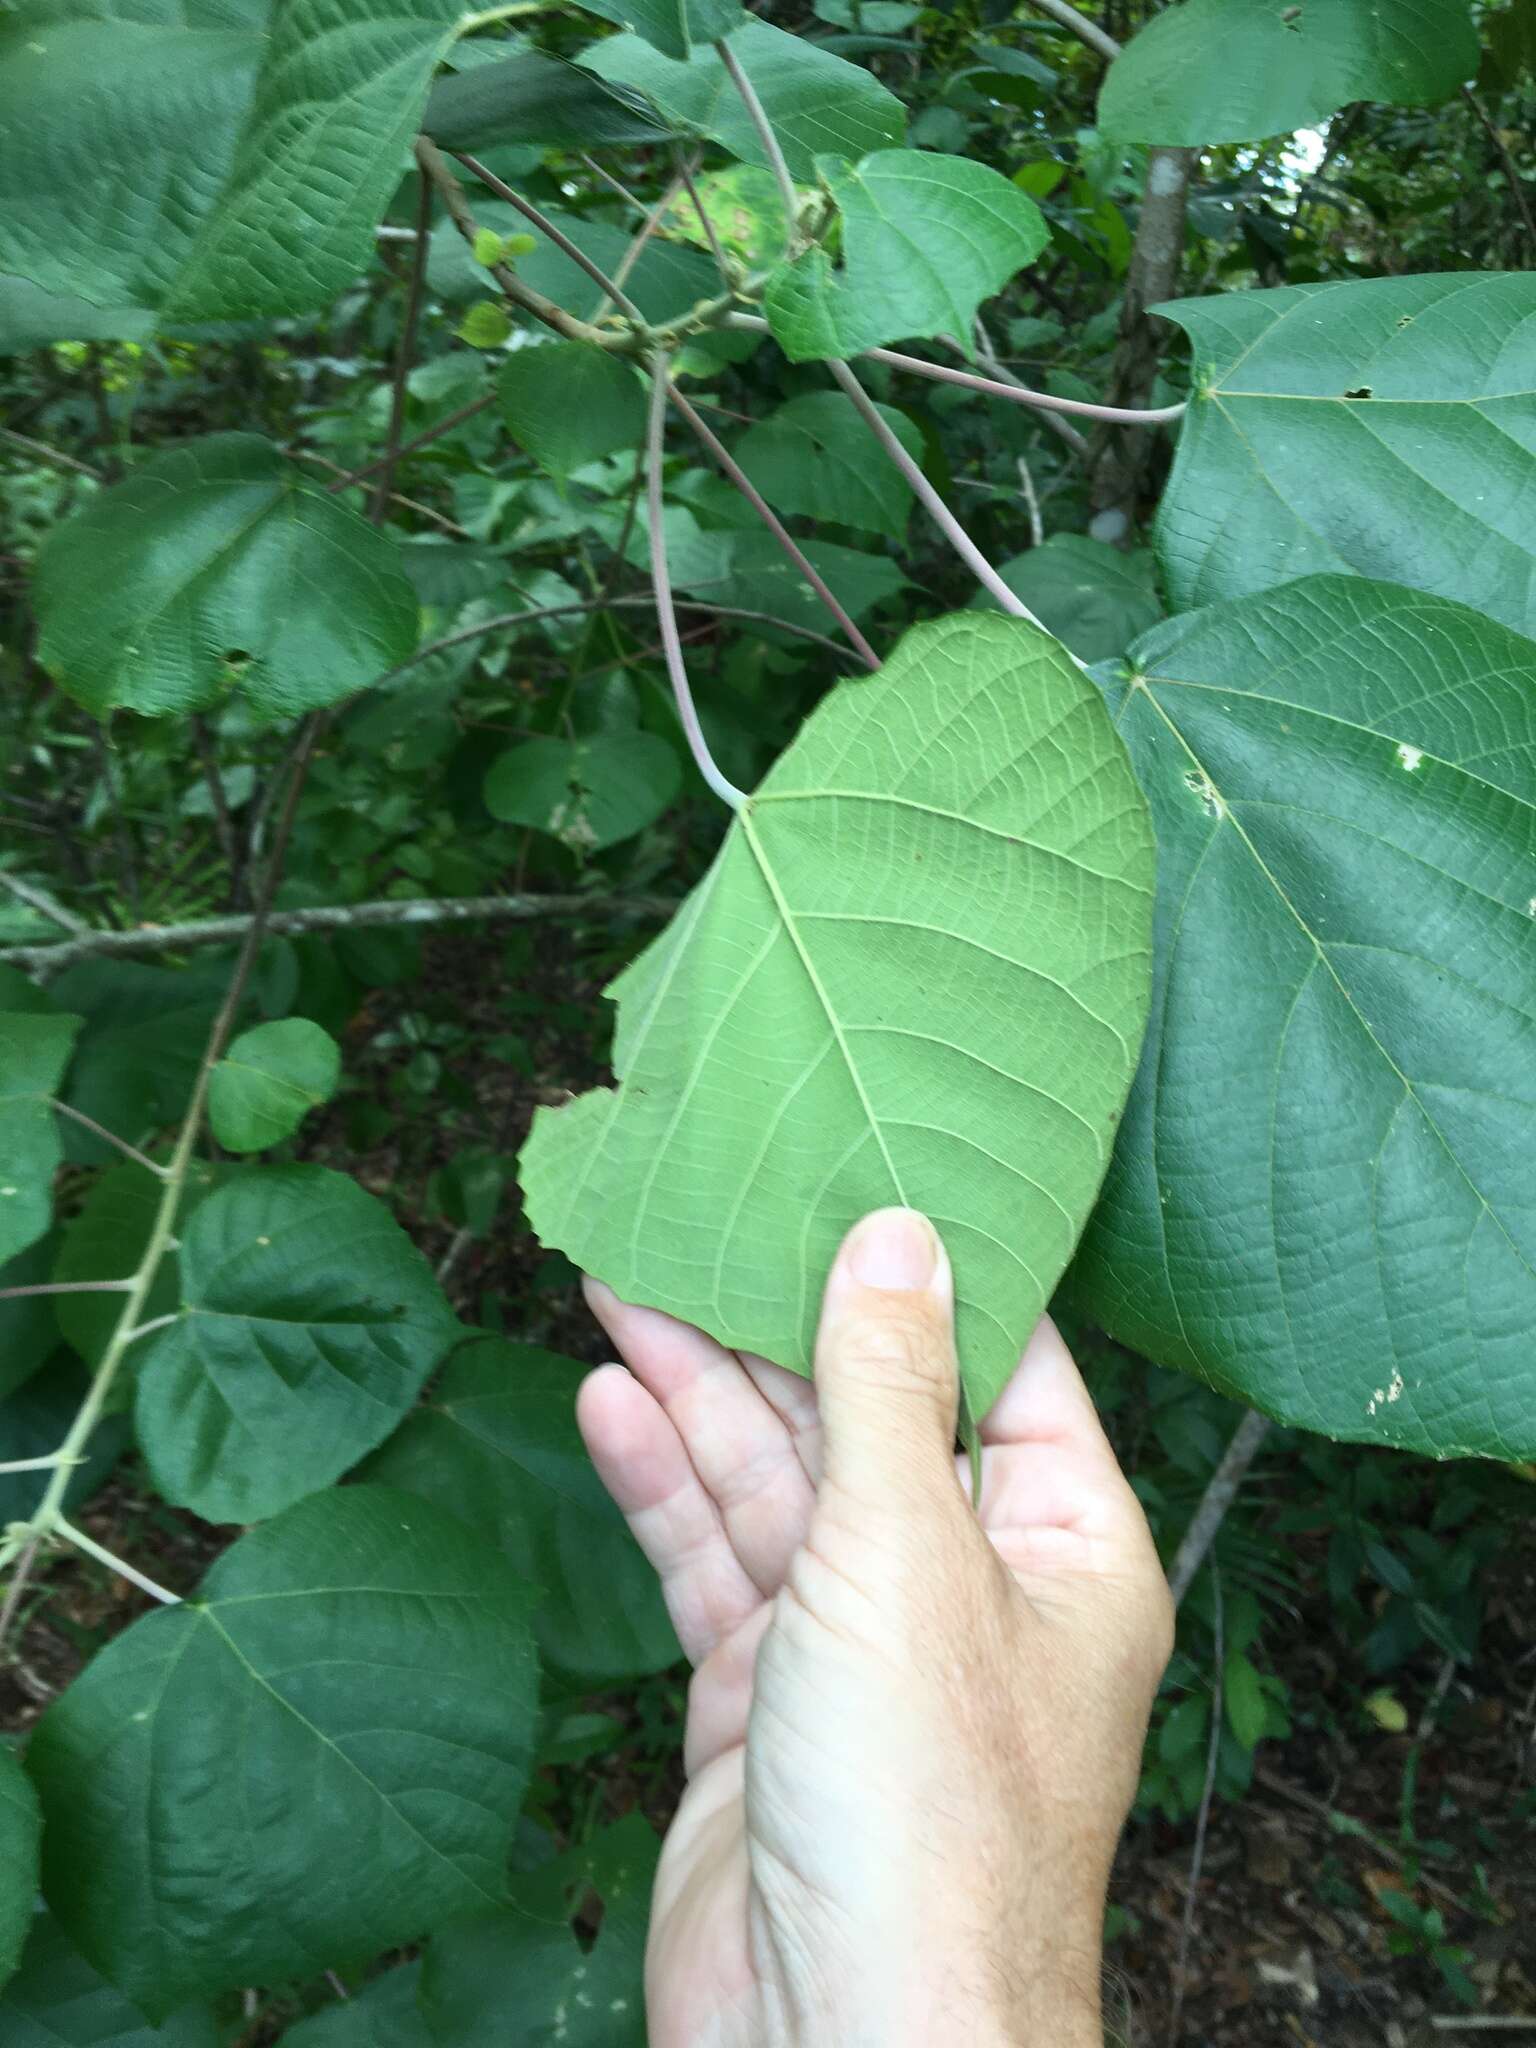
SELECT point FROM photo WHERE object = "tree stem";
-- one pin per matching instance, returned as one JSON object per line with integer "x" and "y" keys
{"x": 405, "y": 350}
{"x": 1221, "y": 1490}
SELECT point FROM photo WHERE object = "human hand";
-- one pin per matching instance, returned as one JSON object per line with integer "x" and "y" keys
{"x": 913, "y": 1734}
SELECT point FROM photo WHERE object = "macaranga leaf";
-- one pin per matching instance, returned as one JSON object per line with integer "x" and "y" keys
{"x": 917, "y": 972}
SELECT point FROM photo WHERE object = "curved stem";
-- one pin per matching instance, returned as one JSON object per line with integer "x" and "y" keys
{"x": 774, "y": 524}
{"x": 932, "y": 503}
{"x": 666, "y": 616}
{"x": 757, "y": 114}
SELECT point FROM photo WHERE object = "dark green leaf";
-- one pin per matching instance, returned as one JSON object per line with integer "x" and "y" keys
{"x": 748, "y": 568}
{"x": 815, "y": 455}
{"x": 534, "y": 98}
{"x": 217, "y": 567}
{"x": 105, "y": 1240}
{"x": 269, "y": 1081}
{"x": 568, "y": 404}
{"x": 1320, "y": 1201}
{"x": 309, "y": 1322}
{"x": 1237, "y": 70}
{"x": 1243, "y": 1698}
{"x": 816, "y": 102}
{"x": 34, "y": 1052}
{"x": 665, "y": 282}
{"x": 383, "y": 2014}
{"x": 590, "y": 793}
{"x": 676, "y": 27}
{"x": 57, "y": 2000}
{"x": 145, "y": 1032}
{"x": 28, "y": 1331}
{"x": 20, "y": 1829}
{"x": 1094, "y": 598}
{"x": 497, "y": 1443}
{"x": 925, "y": 239}
{"x": 324, "y": 1754}
{"x": 519, "y": 1978}
{"x": 1383, "y": 427}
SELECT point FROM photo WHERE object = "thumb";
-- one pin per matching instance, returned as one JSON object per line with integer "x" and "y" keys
{"x": 886, "y": 1376}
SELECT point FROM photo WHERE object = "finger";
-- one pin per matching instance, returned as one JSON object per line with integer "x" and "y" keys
{"x": 720, "y": 1696}
{"x": 886, "y": 1377}
{"x": 1046, "y": 1401}
{"x": 736, "y": 1440}
{"x": 794, "y": 1398}
{"x": 641, "y": 1460}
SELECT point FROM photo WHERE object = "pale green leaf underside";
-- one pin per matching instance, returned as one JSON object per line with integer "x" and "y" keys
{"x": 1287, "y": 468}
{"x": 20, "y": 1828}
{"x": 324, "y": 1754}
{"x": 1322, "y": 1200}
{"x": 1236, "y": 70}
{"x": 917, "y": 972}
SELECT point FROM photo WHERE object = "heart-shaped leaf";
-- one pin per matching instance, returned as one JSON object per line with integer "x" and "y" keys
{"x": 324, "y": 1753}
{"x": 917, "y": 972}
{"x": 269, "y": 1081}
{"x": 1321, "y": 1200}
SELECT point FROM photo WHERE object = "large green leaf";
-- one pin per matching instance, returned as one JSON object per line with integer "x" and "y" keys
{"x": 268, "y": 1082}
{"x": 319, "y": 1757}
{"x": 1321, "y": 1201}
{"x": 815, "y": 101}
{"x": 308, "y": 1323}
{"x": 56, "y": 2000}
{"x": 21, "y": 1827}
{"x": 1095, "y": 598}
{"x": 590, "y": 793}
{"x": 568, "y": 404}
{"x": 1385, "y": 427}
{"x": 925, "y": 239}
{"x": 131, "y": 111}
{"x": 1237, "y": 70}
{"x": 105, "y": 1239}
{"x": 383, "y": 2014}
{"x": 534, "y": 98}
{"x": 497, "y": 1442}
{"x": 814, "y": 455}
{"x": 213, "y": 568}
{"x": 747, "y": 567}
{"x": 34, "y": 1052}
{"x": 145, "y": 1032}
{"x": 676, "y": 27}
{"x": 917, "y": 972}
{"x": 520, "y": 1979}
{"x": 340, "y": 95}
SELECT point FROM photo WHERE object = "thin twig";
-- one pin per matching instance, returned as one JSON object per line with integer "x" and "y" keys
{"x": 66, "y": 1287}
{"x": 1197, "y": 1859}
{"x": 405, "y": 351}
{"x": 774, "y": 524}
{"x": 1031, "y": 504}
{"x": 224, "y": 824}
{"x": 45, "y": 1464}
{"x": 1220, "y": 1492}
{"x": 615, "y": 184}
{"x": 46, "y": 454}
{"x": 40, "y": 900}
{"x": 420, "y": 910}
{"x": 1511, "y": 173}
{"x": 562, "y": 241}
{"x": 636, "y": 248}
{"x": 119, "y": 1565}
{"x": 721, "y": 264}
{"x": 757, "y": 114}
{"x": 932, "y": 503}
{"x": 435, "y": 432}
{"x": 439, "y": 519}
{"x": 1060, "y": 426}
{"x": 661, "y": 580}
{"x": 68, "y": 1109}
{"x": 1095, "y": 37}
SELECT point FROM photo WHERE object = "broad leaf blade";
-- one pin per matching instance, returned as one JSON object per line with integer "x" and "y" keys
{"x": 569, "y": 403}
{"x": 1384, "y": 427}
{"x": 1237, "y": 70}
{"x": 309, "y": 1323}
{"x": 268, "y": 1082}
{"x": 675, "y": 27}
{"x": 383, "y": 2014}
{"x": 814, "y": 456}
{"x": 816, "y": 102}
{"x": 916, "y": 972}
{"x": 1095, "y": 598}
{"x": 533, "y": 98}
{"x": 20, "y": 1831}
{"x": 324, "y": 1753}
{"x": 216, "y": 567}
{"x": 34, "y": 1052}
{"x": 1321, "y": 1198}
{"x": 497, "y": 1443}
{"x": 56, "y": 2000}
{"x": 925, "y": 239}
{"x": 587, "y": 793}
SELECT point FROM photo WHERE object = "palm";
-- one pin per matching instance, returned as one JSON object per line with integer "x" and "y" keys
{"x": 715, "y": 1458}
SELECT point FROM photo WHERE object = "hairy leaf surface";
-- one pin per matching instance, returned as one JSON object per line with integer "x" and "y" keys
{"x": 1237, "y": 70}
{"x": 308, "y": 1323}
{"x": 1322, "y": 1199}
{"x": 533, "y": 98}
{"x": 917, "y": 972}
{"x": 324, "y": 1754}
{"x": 1385, "y": 427}
{"x": 496, "y": 1442}
{"x": 216, "y": 567}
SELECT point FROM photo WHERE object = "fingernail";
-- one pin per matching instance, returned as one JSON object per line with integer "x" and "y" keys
{"x": 893, "y": 1248}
